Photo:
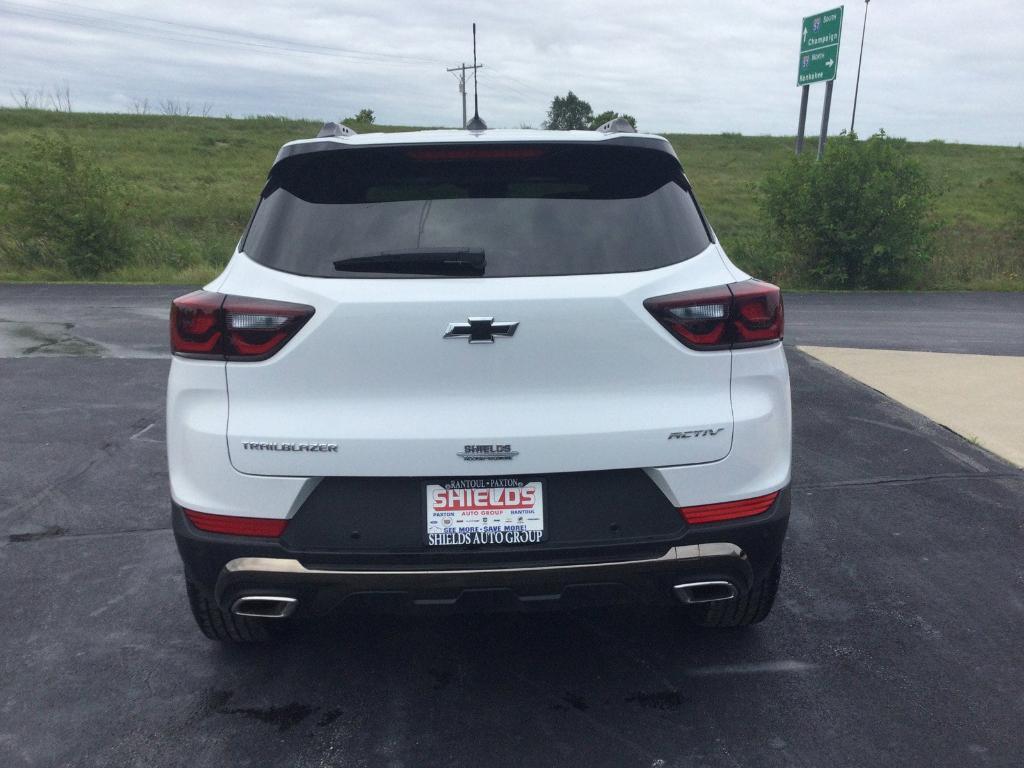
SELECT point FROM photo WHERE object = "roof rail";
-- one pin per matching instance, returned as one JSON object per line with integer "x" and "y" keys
{"x": 617, "y": 125}
{"x": 335, "y": 129}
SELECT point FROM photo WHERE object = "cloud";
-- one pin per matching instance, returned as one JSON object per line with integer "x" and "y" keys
{"x": 678, "y": 66}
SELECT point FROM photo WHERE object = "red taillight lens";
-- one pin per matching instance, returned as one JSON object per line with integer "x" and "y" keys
{"x": 729, "y": 510}
{"x": 256, "y": 329}
{"x": 217, "y": 327}
{"x": 743, "y": 314}
{"x": 237, "y": 526}
{"x": 196, "y": 328}
{"x": 757, "y": 313}
{"x": 699, "y": 319}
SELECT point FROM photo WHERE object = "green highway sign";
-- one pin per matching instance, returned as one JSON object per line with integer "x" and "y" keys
{"x": 819, "y": 47}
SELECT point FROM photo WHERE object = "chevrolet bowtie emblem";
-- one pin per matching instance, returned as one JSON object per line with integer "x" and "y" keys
{"x": 480, "y": 330}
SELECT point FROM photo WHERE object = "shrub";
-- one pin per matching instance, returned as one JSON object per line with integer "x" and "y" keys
{"x": 65, "y": 217}
{"x": 759, "y": 255}
{"x": 362, "y": 117}
{"x": 860, "y": 218}
{"x": 568, "y": 113}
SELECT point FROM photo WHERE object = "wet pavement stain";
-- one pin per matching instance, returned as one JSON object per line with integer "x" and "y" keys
{"x": 284, "y": 717}
{"x": 667, "y": 700}
{"x": 329, "y": 717}
{"x": 215, "y": 699}
{"x": 211, "y": 701}
{"x": 19, "y": 339}
{"x": 576, "y": 701}
{"x": 46, "y": 533}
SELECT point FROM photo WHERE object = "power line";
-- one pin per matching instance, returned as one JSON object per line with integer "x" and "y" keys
{"x": 197, "y": 38}
{"x": 199, "y": 34}
{"x": 523, "y": 83}
{"x": 497, "y": 82}
{"x": 248, "y": 35}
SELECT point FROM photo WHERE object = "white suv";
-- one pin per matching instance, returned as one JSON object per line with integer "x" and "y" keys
{"x": 507, "y": 369}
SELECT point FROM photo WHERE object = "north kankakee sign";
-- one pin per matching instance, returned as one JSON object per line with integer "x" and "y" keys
{"x": 819, "y": 47}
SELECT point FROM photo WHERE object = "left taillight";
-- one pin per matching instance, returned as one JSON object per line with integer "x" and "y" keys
{"x": 732, "y": 316}
{"x": 213, "y": 326}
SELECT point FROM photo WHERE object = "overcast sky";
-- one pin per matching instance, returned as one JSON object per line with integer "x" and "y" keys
{"x": 949, "y": 70}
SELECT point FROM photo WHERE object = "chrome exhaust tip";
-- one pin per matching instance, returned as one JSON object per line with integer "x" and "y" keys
{"x": 265, "y": 606}
{"x": 705, "y": 592}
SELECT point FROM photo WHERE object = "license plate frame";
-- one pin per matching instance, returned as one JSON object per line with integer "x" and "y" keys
{"x": 520, "y": 525}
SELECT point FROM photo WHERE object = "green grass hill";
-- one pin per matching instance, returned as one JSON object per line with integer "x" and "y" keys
{"x": 192, "y": 182}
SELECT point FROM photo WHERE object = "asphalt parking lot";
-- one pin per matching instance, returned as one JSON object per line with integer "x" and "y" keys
{"x": 896, "y": 639}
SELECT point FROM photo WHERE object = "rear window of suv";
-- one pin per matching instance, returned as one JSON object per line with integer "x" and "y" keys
{"x": 529, "y": 209}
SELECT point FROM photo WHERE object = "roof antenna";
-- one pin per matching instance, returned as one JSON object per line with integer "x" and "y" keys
{"x": 475, "y": 124}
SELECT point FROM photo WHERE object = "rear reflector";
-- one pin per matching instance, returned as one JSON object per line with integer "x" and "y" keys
{"x": 213, "y": 326}
{"x": 728, "y": 510}
{"x": 237, "y": 526}
{"x": 731, "y": 316}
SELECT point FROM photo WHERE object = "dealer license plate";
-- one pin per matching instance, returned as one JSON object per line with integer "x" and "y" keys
{"x": 482, "y": 510}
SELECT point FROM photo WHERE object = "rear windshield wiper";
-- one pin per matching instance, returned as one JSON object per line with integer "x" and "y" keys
{"x": 419, "y": 261}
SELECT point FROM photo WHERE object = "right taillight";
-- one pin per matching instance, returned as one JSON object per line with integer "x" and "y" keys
{"x": 261, "y": 527}
{"x": 213, "y": 326}
{"x": 731, "y": 316}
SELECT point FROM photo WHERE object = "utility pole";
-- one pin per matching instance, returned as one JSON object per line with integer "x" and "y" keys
{"x": 856, "y": 89}
{"x": 460, "y": 75}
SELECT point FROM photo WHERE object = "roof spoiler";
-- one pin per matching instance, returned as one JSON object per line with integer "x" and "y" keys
{"x": 335, "y": 129}
{"x": 617, "y": 125}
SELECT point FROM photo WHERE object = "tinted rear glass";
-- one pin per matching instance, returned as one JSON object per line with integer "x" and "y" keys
{"x": 532, "y": 209}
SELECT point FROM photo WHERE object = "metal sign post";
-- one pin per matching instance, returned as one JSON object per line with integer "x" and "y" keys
{"x": 804, "y": 92}
{"x": 818, "y": 62}
{"x": 826, "y": 108}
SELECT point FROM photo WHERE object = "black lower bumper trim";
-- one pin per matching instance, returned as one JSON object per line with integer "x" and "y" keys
{"x": 609, "y": 572}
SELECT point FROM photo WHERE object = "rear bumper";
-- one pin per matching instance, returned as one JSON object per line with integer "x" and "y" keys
{"x": 230, "y": 567}
{"x": 321, "y": 591}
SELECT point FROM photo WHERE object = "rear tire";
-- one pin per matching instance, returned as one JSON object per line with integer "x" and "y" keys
{"x": 220, "y": 625}
{"x": 744, "y": 610}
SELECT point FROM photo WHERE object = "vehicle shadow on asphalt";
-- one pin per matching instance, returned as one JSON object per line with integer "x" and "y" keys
{"x": 647, "y": 657}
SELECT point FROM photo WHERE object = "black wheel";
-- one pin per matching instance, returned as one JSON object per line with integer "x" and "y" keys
{"x": 742, "y": 611}
{"x": 223, "y": 626}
